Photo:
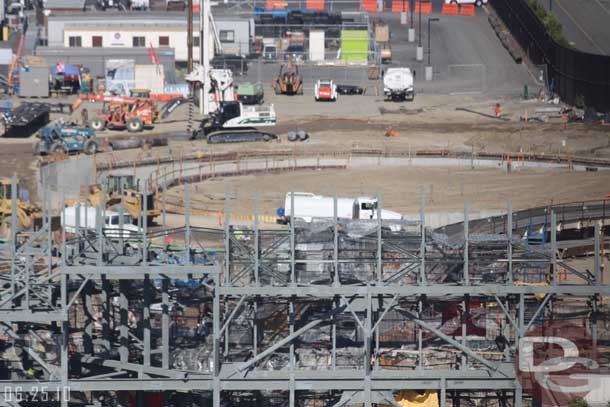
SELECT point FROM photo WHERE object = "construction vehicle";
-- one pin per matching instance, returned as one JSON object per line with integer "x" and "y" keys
{"x": 326, "y": 90}
{"x": 26, "y": 212}
{"x": 308, "y": 206}
{"x": 398, "y": 84}
{"x": 232, "y": 123}
{"x": 289, "y": 81}
{"x": 251, "y": 93}
{"x": 60, "y": 138}
{"x": 119, "y": 188}
{"x": 120, "y": 112}
{"x": 229, "y": 120}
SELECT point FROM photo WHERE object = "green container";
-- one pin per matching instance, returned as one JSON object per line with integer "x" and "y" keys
{"x": 250, "y": 93}
{"x": 355, "y": 45}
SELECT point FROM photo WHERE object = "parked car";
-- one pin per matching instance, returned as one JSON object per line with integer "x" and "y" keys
{"x": 296, "y": 53}
{"x": 236, "y": 63}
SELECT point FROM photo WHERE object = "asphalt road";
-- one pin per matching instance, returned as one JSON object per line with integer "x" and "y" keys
{"x": 586, "y": 23}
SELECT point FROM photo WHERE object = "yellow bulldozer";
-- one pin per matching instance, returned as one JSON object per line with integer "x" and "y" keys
{"x": 133, "y": 200}
{"x": 26, "y": 212}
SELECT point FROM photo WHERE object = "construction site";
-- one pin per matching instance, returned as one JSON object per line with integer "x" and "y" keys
{"x": 307, "y": 232}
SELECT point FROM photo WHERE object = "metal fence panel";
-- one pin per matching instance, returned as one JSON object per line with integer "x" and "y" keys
{"x": 573, "y": 74}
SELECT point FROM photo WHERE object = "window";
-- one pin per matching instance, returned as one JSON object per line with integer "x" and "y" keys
{"x": 75, "y": 41}
{"x": 96, "y": 41}
{"x": 139, "y": 41}
{"x": 227, "y": 36}
{"x": 195, "y": 41}
{"x": 164, "y": 41}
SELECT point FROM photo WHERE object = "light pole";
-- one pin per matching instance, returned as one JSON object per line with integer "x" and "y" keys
{"x": 411, "y": 32}
{"x": 419, "y": 56}
{"x": 429, "y": 66}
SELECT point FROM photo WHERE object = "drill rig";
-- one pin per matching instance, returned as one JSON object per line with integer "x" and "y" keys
{"x": 229, "y": 120}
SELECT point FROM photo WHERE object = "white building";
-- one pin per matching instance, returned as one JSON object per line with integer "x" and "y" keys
{"x": 143, "y": 29}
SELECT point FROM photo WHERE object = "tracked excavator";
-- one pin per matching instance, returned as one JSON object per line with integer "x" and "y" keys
{"x": 229, "y": 120}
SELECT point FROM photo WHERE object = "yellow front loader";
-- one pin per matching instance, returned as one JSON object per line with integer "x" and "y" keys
{"x": 26, "y": 212}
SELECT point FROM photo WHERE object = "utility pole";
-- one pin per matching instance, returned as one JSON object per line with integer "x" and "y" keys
{"x": 204, "y": 55}
{"x": 189, "y": 37}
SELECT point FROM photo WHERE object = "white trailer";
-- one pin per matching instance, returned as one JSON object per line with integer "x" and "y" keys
{"x": 309, "y": 206}
{"x": 87, "y": 220}
{"x": 398, "y": 84}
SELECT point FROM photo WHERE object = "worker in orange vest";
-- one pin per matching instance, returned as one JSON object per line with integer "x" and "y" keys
{"x": 497, "y": 110}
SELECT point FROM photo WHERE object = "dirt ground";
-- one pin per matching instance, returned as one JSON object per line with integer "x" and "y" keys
{"x": 446, "y": 188}
{"x": 429, "y": 122}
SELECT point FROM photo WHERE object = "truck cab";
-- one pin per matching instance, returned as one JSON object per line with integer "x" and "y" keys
{"x": 367, "y": 208}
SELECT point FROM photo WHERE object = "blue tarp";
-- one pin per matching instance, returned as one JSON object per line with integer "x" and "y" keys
{"x": 68, "y": 69}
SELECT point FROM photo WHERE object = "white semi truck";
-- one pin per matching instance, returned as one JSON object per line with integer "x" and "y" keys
{"x": 309, "y": 206}
{"x": 398, "y": 84}
{"x": 87, "y": 220}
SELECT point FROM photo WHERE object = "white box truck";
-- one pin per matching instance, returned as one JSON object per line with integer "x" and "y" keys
{"x": 87, "y": 219}
{"x": 398, "y": 84}
{"x": 308, "y": 206}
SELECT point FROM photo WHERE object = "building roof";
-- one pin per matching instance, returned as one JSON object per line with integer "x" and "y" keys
{"x": 65, "y": 4}
{"x": 104, "y": 17}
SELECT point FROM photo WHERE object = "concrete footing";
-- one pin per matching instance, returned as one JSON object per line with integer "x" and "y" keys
{"x": 428, "y": 73}
{"x": 420, "y": 54}
{"x": 411, "y": 34}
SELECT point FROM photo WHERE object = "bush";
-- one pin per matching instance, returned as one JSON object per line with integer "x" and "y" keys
{"x": 578, "y": 403}
{"x": 550, "y": 22}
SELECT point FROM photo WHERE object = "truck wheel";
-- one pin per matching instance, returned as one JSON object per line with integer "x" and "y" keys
{"x": 97, "y": 124}
{"x": 302, "y": 135}
{"x": 292, "y": 136}
{"x": 57, "y": 148}
{"x": 135, "y": 125}
{"x": 267, "y": 137}
{"x": 479, "y": 3}
{"x": 90, "y": 147}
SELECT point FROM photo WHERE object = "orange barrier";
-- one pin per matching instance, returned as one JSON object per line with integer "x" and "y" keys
{"x": 398, "y": 6}
{"x": 423, "y": 7}
{"x": 315, "y": 4}
{"x": 196, "y": 8}
{"x": 275, "y": 5}
{"x": 468, "y": 10}
{"x": 450, "y": 9}
{"x": 369, "y": 5}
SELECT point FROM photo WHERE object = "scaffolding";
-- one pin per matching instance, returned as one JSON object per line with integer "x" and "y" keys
{"x": 334, "y": 311}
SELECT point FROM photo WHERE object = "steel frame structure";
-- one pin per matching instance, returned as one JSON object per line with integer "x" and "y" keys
{"x": 42, "y": 291}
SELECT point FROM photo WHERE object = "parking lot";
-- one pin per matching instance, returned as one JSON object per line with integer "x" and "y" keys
{"x": 466, "y": 56}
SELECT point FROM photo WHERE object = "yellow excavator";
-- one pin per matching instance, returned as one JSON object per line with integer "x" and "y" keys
{"x": 26, "y": 212}
{"x": 133, "y": 200}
